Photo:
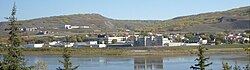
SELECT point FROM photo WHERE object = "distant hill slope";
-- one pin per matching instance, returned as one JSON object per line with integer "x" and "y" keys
{"x": 234, "y": 19}
{"x": 95, "y": 21}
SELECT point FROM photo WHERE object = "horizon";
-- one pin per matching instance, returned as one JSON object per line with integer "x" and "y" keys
{"x": 121, "y": 10}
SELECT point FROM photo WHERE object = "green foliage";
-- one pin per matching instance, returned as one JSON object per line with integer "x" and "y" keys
{"x": 226, "y": 66}
{"x": 66, "y": 63}
{"x": 245, "y": 35}
{"x": 14, "y": 60}
{"x": 220, "y": 37}
{"x": 41, "y": 65}
{"x": 189, "y": 36}
{"x": 72, "y": 38}
{"x": 202, "y": 59}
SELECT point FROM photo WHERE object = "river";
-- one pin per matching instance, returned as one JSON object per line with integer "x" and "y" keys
{"x": 171, "y": 62}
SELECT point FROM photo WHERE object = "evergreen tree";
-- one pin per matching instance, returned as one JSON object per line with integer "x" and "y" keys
{"x": 66, "y": 63}
{"x": 14, "y": 60}
{"x": 236, "y": 67}
{"x": 41, "y": 65}
{"x": 226, "y": 66}
{"x": 202, "y": 60}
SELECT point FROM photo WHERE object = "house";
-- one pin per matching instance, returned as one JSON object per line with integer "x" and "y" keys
{"x": 33, "y": 45}
{"x": 102, "y": 39}
{"x": 194, "y": 40}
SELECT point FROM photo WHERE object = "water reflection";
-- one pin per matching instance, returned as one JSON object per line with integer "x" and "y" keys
{"x": 138, "y": 62}
{"x": 148, "y": 63}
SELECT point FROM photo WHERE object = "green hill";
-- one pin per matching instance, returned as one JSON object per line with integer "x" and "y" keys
{"x": 95, "y": 21}
{"x": 234, "y": 19}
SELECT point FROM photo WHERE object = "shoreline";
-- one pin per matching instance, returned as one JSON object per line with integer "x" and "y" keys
{"x": 129, "y": 52}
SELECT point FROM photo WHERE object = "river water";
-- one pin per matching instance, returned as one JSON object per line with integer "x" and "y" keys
{"x": 171, "y": 62}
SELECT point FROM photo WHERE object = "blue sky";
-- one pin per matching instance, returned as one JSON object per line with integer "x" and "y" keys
{"x": 117, "y": 9}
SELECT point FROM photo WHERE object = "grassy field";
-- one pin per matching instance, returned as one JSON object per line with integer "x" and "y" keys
{"x": 233, "y": 48}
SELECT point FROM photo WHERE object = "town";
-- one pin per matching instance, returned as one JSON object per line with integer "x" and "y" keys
{"x": 133, "y": 39}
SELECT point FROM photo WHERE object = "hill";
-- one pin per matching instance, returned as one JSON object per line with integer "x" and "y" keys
{"x": 234, "y": 19}
{"x": 96, "y": 22}
{"x": 237, "y": 19}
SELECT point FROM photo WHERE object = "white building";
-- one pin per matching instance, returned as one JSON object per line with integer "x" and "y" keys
{"x": 118, "y": 39}
{"x": 75, "y": 27}
{"x": 69, "y": 45}
{"x": 203, "y": 42}
{"x": 191, "y": 44}
{"x": 92, "y": 42}
{"x": 102, "y": 45}
{"x": 174, "y": 44}
{"x": 33, "y": 45}
{"x": 67, "y": 26}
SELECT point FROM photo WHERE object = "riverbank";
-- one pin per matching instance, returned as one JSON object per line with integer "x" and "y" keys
{"x": 161, "y": 51}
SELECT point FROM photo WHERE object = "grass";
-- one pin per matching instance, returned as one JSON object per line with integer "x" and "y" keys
{"x": 129, "y": 50}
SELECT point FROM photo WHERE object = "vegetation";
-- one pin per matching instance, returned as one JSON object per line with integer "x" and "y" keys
{"x": 202, "y": 60}
{"x": 226, "y": 66}
{"x": 66, "y": 63}
{"x": 181, "y": 23}
{"x": 14, "y": 60}
{"x": 41, "y": 65}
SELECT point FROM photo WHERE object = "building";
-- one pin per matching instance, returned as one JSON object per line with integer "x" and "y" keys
{"x": 149, "y": 41}
{"x": 75, "y": 27}
{"x": 67, "y": 26}
{"x": 69, "y": 45}
{"x": 33, "y": 45}
{"x": 174, "y": 44}
{"x": 105, "y": 39}
{"x": 194, "y": 40}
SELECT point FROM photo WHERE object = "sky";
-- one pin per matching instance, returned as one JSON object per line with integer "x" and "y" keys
{"x": 117, "y": 9}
